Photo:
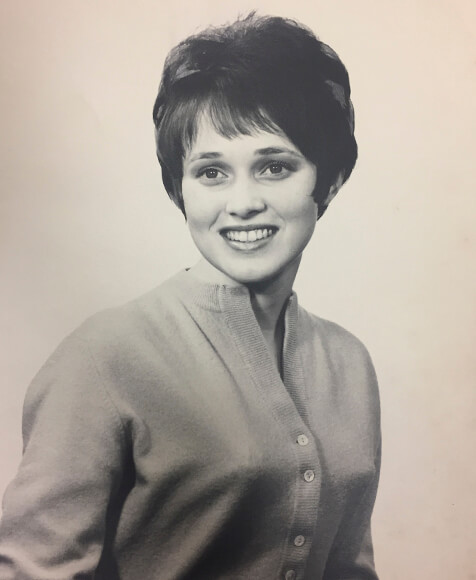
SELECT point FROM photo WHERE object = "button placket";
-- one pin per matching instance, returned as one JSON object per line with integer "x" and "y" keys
{"x": 307, "y": 457}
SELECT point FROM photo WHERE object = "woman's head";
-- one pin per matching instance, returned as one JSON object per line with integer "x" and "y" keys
{"x": 259, "y": 73}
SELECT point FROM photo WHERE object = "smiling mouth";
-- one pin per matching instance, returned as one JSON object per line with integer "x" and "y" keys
{"x": 249, "y": 235}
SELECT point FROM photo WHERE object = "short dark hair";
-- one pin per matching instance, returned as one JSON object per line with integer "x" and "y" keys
{"x": 261, "y": 72}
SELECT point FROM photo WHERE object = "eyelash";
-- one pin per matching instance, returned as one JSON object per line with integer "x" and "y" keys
{"x": 282, "y": 164}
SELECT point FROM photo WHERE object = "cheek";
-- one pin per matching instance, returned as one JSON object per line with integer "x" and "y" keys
{"x": 301, "y": 222}
{"x": 302, "y": 209}
{"x": 301, "y": 205}
{"x": 202, "y": 216}
{"x": 198, "y": 209}
{"x": 308, "y": 221}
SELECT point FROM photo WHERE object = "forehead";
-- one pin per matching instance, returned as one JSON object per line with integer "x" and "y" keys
{"x": 208, "y": 142}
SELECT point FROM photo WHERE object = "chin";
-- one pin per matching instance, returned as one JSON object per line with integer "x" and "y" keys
{"x": 253, "y": 277}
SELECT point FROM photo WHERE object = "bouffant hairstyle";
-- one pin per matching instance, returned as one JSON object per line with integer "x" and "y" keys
{"x": 259, "y": 73}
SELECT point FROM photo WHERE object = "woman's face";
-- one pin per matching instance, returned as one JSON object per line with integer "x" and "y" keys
{"x": 249, "y": 205}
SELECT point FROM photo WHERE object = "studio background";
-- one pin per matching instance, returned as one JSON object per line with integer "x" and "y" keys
{"x": 85, "y": 223}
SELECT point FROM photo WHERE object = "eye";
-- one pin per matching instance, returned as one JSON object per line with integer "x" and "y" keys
{"x": 277, "y": 169}
{"x": 211, "y": 175}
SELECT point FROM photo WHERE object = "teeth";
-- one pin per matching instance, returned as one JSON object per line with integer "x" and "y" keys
{"x": 248, "y": 236}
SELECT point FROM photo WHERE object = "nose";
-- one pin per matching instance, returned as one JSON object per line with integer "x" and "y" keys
{"x": 244, "y": 199}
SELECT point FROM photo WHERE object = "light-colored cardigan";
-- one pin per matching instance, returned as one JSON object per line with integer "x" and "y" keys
{"x": 160, "y": 443}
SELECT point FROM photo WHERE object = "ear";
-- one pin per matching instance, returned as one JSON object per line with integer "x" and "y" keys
{"x": 334, "y": 189}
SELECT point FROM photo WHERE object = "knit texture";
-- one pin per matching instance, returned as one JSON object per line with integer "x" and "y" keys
{"x": 160, "y": 442}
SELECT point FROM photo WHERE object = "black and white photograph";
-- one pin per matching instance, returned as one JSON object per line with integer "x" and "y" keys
{"x": 237, "y": 251}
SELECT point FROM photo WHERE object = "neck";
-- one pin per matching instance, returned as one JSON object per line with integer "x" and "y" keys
{"x": 268, "y": 299}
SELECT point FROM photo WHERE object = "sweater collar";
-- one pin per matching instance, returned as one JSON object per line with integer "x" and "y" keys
{"x": 233, "y": 304}
{"x": 218, "y": 297}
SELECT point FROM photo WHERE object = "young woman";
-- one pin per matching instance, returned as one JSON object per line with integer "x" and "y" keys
{"x": 214, "y": 429}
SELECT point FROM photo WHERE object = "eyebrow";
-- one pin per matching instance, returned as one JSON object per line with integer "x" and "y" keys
{"x": 259, "y": 152}
{"x": 206, "y": 155}
{"x": 277, "y": 151}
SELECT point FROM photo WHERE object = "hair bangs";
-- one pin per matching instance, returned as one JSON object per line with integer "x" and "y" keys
{"x": 229, "y": 115}
{"x": 232, "y": 116}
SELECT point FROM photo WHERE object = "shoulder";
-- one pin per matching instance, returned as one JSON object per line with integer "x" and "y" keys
{"x": 128, "y": 326}
{"x": 107, "y": 348}
{"x": 340, "y": 360}
{"x": 333, "y": 338}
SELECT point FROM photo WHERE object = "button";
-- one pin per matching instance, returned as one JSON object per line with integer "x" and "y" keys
{"x": 302, "y": 440}
{"x": 299, "y": 541}
{"x": 309, "y": 475}
{"x": 290, "y": 575}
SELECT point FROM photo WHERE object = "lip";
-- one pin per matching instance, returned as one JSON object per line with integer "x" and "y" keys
{"x": 248, "y": 228}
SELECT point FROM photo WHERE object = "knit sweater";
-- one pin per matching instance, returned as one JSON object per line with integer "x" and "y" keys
{"x": 162, "y": 443}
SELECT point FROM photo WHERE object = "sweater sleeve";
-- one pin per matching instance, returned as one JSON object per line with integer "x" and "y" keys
{"x": 352, "y": 556}
{"x": 55, "y": 510}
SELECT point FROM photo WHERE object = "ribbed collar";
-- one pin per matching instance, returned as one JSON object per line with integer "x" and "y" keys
{"x": 234, "y": 305}
{"x": 218, "y": 297}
